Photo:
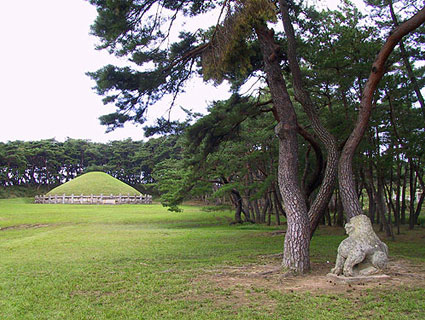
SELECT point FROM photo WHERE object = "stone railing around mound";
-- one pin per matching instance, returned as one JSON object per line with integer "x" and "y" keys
{"x": 94, "y": 199}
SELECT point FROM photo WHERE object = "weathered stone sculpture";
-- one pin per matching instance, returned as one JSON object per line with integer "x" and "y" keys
{"x": 362, "y": 253}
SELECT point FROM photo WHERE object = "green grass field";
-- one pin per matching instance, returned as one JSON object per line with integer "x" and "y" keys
{"x": 144, "y": 262}
{"x": 94, "y": 183}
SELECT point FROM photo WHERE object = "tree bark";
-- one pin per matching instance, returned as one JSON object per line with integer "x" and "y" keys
{"x": 323, "y": 197}
{"x": 297, "y": 240}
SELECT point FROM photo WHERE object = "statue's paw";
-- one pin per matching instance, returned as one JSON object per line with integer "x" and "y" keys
{"x": 336, "y": 271}
{"x": 348, "y": 272}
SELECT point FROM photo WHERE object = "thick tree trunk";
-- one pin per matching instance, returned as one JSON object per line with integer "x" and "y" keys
{"x": 297, "y": 240}
{"x": 323, "y": 197}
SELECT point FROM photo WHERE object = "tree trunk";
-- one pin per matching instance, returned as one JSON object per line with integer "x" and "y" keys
{"x": 278, "y": 201}
{"x": 297, "y": 240}
{"x": 419, "y": 207}
{"x": 257, "y": 211}
{"x": 412, "y": 189}
{"x": 305, "y": 174}
{"x": 397, "y": 196}
{"x": 276, "y": 205}
{"x": 328, "y": 217}
{"x": 340, "y": 211}
{"x": 382, "y": 209}
{"x": 422, "y": 196}
{"x": 237, "y": 200}
{"x": 265, "y": 209}
{"x": 403, "y": 197}
{"x": 269, "y": 215}
{"x": 390, "y": 204}
{"x": 323, "y": 197}
{"x": 317, "y": 176}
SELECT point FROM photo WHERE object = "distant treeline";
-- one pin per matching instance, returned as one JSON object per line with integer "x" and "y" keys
{"x": 48, "y": 163}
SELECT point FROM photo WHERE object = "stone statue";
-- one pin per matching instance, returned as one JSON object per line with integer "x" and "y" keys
{"x": 362, "y": 253}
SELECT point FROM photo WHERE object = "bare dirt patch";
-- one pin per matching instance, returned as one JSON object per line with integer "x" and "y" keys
{"x": 24, "y": 226}
{"x": 258, "y": 279}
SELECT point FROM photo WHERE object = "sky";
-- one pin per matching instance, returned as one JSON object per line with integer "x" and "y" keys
{"x": 45, "y": 52}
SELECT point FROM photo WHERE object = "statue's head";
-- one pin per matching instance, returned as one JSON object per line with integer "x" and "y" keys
{"x": 360, "y": 227}
{"x": 349, "y": 228}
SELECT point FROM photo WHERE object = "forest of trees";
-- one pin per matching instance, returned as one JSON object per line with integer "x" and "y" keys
{"x": 47, "y": 163}
{"x": 333, "y": 128}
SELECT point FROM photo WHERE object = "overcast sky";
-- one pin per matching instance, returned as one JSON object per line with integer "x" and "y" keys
{"x": 45, "y": 52}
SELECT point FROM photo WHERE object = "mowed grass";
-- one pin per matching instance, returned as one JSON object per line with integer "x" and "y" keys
{"x": 95, "y": 183}
{"x": 144, "y": 262}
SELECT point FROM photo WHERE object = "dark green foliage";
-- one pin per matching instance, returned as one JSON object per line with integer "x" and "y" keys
{"x": 222, "y": 123}
{"x": 173, "y": 182}
{"x": 48, "y": 163}
{"x": 165, "y": 127}
{"x": 232, "y": 149}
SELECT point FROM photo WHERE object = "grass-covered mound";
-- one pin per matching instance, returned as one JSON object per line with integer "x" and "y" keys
{"x": 95, "y": 183}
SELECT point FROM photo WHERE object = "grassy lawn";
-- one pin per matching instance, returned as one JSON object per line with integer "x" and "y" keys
{"x": 143, "y": 262}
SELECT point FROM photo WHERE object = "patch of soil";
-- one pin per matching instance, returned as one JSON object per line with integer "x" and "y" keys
{"x": 24, "y": 226}
{"x": 258, "y": 279}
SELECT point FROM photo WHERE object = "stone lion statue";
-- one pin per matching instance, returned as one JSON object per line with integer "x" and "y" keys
{"x": 362, "y": 253}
